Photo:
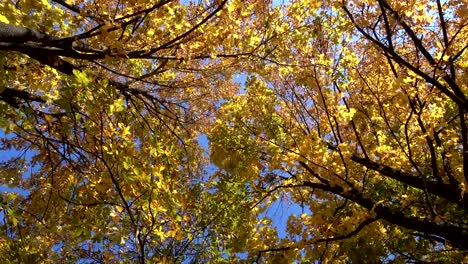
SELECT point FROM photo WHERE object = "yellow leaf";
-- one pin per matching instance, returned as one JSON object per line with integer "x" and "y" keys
{"x": 119, "y": 208}
{"x": 4, "y": 19}
{"x": 46, "y": 3}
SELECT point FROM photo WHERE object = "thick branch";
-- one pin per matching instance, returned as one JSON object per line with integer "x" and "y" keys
{"x": 13, "y": 97}
{"x": 445, "y": 191}
{"x": 455, "y": 234}
{"x": 17, "y": 34}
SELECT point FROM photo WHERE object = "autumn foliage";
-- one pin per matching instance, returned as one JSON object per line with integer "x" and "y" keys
{"x": 175, "y": 131}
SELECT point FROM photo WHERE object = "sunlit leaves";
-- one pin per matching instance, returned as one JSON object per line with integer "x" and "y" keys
{"x": 357, "y": 79}
{"x": 352, "y": 111}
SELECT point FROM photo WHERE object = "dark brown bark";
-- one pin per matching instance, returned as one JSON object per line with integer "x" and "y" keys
{"x": 455, "y": 234}
{"x": 443, "y": 190}
{"x": 17, "y": 34}
{"x": 15, "y": 97}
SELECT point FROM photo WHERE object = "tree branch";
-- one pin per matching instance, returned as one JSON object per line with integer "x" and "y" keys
{"x": 13, "y": 97}
{"x": 456, "y": 234}
{"x": 455, "y": 96}
{"x": 321, "y": 240}
{"x": 443, "y": 190}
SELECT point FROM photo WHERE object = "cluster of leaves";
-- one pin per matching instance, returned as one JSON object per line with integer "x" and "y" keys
{"x": 361, "y": 120}
{"x": 354, "y": 110}
{"x": 100, "y": 106}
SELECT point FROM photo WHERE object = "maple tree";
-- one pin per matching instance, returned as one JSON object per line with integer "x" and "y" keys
{"x": 100, "y": 105}
{"x": 354, "y": 110}
{"x": 358, "y": 115}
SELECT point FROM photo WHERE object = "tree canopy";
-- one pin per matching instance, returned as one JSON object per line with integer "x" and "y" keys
{"x": 128, "y": 133}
